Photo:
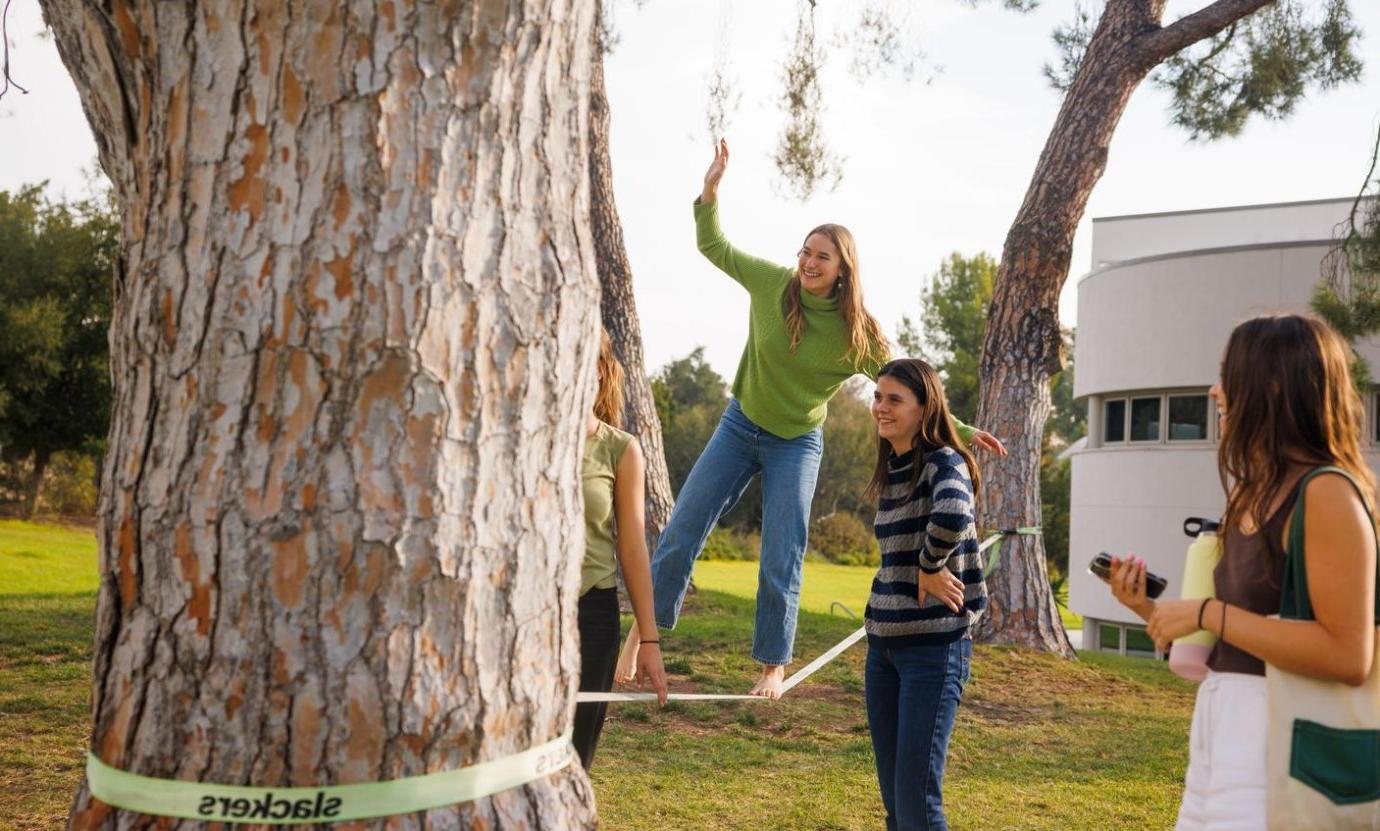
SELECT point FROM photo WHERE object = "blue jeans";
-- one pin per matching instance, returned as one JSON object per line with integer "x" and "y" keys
{"x": 912, "y": 697}
{"x": 738, "y": 451}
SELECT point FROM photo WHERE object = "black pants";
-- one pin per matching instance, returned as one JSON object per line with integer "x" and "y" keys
{"x": 598, "y": 658}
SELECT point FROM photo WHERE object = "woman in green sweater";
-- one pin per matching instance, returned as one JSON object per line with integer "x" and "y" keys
{"x": 808, "y": 333}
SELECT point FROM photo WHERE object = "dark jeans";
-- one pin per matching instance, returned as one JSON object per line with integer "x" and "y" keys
{"x": 912, "y": 698}
{"x": 598, "y": 658}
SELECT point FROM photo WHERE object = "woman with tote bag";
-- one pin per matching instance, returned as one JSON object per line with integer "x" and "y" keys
{"x": 1286, "y": 726}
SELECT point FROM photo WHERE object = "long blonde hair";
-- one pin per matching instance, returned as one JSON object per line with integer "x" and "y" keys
{"x": 608, "y": 401}
{"x": 1290, "y": 401}
{"x": 865, "y": 338}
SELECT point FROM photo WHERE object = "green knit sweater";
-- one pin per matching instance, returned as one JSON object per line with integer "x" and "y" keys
{"x": 786, "y": 394}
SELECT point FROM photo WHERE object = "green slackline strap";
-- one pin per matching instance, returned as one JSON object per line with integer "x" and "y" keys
{"x": 999, "y": 536}
{"x": 333, "y": 803}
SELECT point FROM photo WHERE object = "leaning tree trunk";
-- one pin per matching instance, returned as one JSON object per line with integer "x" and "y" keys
{"x": 618, "y": 307}
{"x": 1023, "y": 347}
{"x": 41, "y": 458}
{"x": 351, "y": 349}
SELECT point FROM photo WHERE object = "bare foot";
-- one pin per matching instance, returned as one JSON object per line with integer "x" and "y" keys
{"x": 626, "y": 670}
{"x": 770, "y": 682}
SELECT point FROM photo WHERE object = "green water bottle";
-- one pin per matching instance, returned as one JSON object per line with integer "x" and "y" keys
{"x": 1188, "y": 655}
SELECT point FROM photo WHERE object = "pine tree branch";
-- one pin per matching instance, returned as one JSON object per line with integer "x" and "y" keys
{"x": 1204, "y": 23}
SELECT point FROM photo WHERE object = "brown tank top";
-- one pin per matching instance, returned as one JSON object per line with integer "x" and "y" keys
{"x": 1250, "y": 576}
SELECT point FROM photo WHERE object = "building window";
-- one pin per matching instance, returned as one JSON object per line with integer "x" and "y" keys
{"x": 1123, "y": 639}
{"x": 1188, "y": 418}
{"x": 1114, "y": 420}
{"x": 1145, "y": 419}
{"x": 1108, "y": 637}
{"x": 1138, "y": 643}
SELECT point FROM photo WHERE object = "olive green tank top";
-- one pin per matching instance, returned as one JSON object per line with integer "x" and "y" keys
{"x": 603, "y": 451}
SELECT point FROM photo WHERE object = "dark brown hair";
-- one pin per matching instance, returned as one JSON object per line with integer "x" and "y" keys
{"x": 865, "y": 338}
{"x": 1289, "y": 401}
{"x": 936, "y": 428}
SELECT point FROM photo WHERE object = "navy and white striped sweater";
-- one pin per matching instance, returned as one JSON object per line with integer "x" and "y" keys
{"x": 929, "y": 527}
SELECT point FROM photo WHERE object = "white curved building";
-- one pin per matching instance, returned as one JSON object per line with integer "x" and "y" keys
{"x": 1153, "y": 317}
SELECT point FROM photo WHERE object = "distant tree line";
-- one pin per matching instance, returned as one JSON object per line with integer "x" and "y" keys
{"x": 56, "y": 264}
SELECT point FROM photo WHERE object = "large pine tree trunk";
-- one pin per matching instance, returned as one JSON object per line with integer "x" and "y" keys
{"x": 618, "y": 307}
{"x": 1023, "y": 347}
{"x": 341, "y": 518}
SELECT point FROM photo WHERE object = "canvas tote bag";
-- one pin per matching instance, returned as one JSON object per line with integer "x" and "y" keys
{"x": 1323, "y": 750}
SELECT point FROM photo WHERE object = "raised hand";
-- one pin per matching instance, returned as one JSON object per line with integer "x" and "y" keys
{"x": 715, "y": 172}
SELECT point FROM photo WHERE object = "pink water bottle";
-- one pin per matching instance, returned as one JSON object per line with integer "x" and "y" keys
{"x": 1188, "y": 655}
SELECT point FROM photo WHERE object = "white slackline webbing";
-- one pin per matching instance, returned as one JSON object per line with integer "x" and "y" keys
{"x": 790, "y": 683}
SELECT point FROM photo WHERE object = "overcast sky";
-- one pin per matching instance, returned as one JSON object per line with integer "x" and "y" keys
{"x": 934, "y": 165}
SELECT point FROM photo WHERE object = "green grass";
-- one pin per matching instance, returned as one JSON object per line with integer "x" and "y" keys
{"x": 824, "y": 583}
{"x": 46, "y": 559}
{"x": 1041, "y": 743}
{"x": 47, "y": 601}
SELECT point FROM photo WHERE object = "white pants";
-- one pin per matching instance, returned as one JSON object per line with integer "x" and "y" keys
{"x": 1225, "y": 786}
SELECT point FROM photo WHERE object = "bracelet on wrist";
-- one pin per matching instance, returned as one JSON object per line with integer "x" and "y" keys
{"x": 654, "y": 640}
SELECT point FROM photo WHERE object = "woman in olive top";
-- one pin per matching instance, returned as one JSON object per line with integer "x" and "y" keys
{"x": 614, "y": 535}
{"x": 808, "y": 332}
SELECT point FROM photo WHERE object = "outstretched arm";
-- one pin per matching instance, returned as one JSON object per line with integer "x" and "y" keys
{"x": 758, "y": 276}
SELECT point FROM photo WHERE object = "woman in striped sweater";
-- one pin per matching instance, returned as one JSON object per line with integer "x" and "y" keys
{"x": 927, "y": 593}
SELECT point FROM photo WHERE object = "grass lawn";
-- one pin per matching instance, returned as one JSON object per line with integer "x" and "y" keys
{"x": 47, "y": 604}
{"x": 824, "y": 583}
{"x": 1041, "y": 743}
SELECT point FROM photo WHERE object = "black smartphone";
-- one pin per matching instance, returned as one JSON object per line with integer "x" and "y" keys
{"x": 1102, "y": 567}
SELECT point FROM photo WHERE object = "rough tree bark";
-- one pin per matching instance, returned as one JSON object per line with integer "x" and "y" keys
{"x": 35, "y": 489}
{"x": 1023, "y": 346}
{"x": 618, "y": 307}
{"x": 351, "y": 349}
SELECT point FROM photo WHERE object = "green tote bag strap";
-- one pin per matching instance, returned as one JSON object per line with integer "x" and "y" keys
{"x": 1294, "y": 602}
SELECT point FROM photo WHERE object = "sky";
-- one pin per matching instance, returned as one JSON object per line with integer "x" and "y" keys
{"x": 932, "y": 165}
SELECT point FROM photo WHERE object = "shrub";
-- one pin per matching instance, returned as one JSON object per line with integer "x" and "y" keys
{"x": 729, "y": 544}
{"x": 843, "y": 538}
{"x": 69, "y": 486}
